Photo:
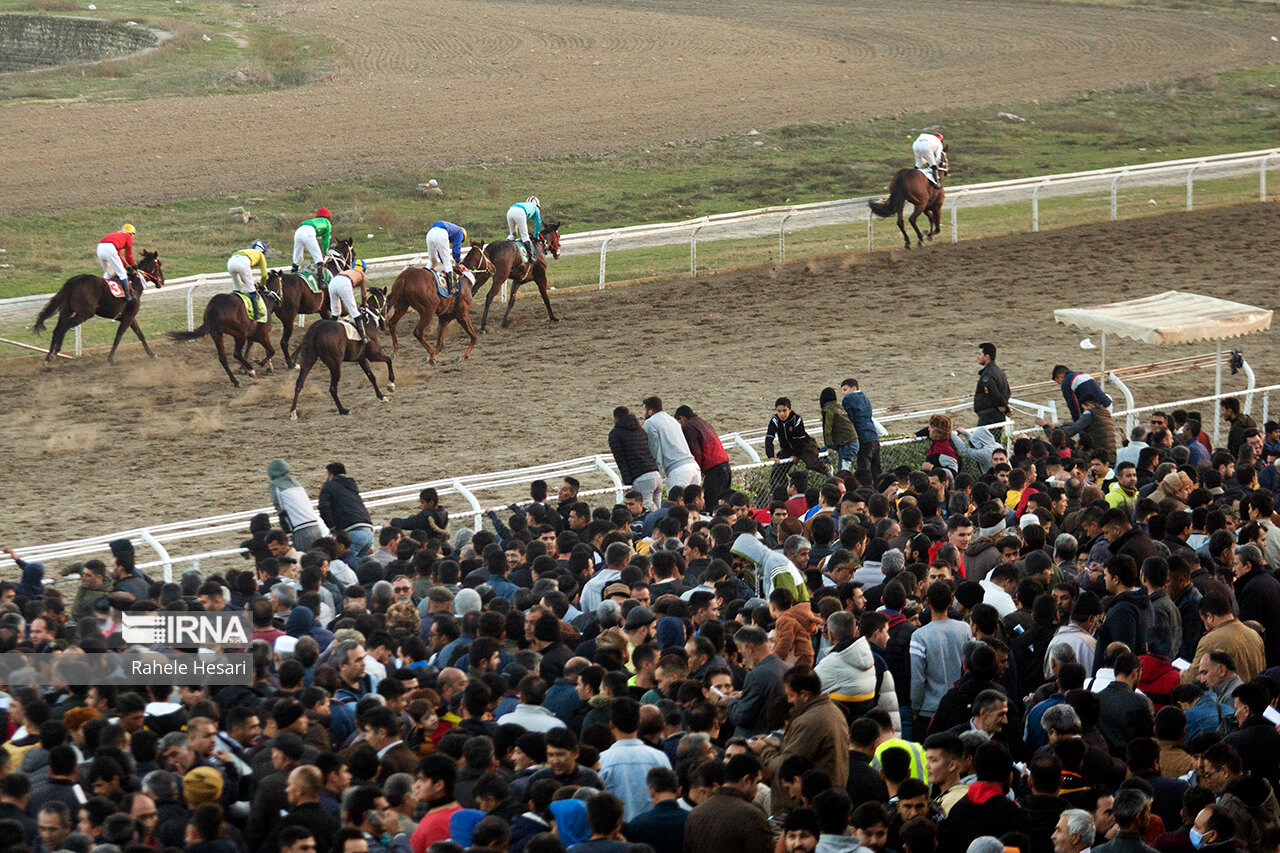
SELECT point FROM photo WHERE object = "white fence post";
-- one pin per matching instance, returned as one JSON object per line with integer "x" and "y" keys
{"x": 782, "y": 239}
{"x": 870, "y": 216}
{"x": 191, "y": 310}
{"x": 741, "y": 442}
{"x": 1190, "y": 183}
{"x": 693, "y": 251}
{"x": 146, "y": 536}
{"x": 477, "y": 511}
{"x": 612, "y": 475}
{"x": 604, "y": 247}
{"x": 1035, "y": 208}
{"x": 79, "y": 330}
{"x": 955, "y": 231}
{"x": 1113, "y": 194}
{"x": 1262, "y": 179}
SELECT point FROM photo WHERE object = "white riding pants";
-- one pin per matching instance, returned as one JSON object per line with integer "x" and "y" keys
{"x": 439, "y": 252}
{"x": 241, "y": 270}
{"x": 927, "y": 153}
{"x": 109, "y": 258}
{"x": 304, "y": 240}
{"x": 342, "y": 295}
{"x": 517, "y": 223}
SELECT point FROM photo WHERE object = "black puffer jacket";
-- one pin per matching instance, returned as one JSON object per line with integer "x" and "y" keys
{"x": 341, "y": 505}
{"x": 630, "y": 448}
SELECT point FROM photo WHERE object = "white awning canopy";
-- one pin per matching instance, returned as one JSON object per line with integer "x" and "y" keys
{"x": 1171, "y": 317}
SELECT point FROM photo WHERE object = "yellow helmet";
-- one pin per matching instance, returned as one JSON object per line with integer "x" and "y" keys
{"x": 129, "y": 229}
{"x": 464, "y": 235}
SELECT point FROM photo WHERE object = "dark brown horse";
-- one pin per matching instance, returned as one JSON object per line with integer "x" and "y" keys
{"x": 226, "y": 315}
{"x": 327, "y": 341}
{"x": 910, "y": 185}
{"x": 291, "y": 297}
{"x": 508, "y": 263}
{"x": 416, "y": 288}
{"x": 85, "y": 296}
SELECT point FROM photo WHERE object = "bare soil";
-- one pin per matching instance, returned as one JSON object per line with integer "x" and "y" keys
{"x": 90, "y": 447}
{"x": 424, "y": 85}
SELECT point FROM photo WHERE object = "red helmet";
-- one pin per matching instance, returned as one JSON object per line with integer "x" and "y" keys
{"x": 939, "y": 135}
{"x": 322, "y": 212}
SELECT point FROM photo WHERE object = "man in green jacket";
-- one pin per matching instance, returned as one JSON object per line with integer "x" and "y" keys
{"x": 93, "y": 586}
{"x": 312, "y": 237}
{"x": 838, "y": 432}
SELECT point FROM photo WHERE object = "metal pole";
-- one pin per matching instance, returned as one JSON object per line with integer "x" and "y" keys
{"x": 1102, "y": 379}
{"x": 191, "y": 311}
{"x": 146, "y": 536}
{"x": 1113, "y": 195}
{"x": 693, "y": 252}
{"x": 1262, "y": 179}
{"x": 1191, "y": 172}
{"x": 613, "y": 477}
{"x": 868, "y": 229}
{"x": 1035, "y": 208}
{"x": 1217, "y": 392}
{"x": 78, "y": 341}
{"x": 604, "y": 245}
{"x": 782, "y": 239}
{"x": 955, "y": 233}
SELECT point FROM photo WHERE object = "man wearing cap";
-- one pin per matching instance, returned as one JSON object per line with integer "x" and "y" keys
{"x": 638, "y": 630}
{"x": 312, "y": 237}
{"x": 287, "y": 752}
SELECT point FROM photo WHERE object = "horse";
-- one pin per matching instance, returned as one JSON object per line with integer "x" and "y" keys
{"x": 85, "y": 296}
{"x": 910, "y": 185}
{"x": 416, "y": 288}
{"x": 507, "y": 264}
{"x": 327, "y": 341}
{"x": 226, "y": 315}
{"x": 289, "y": 296}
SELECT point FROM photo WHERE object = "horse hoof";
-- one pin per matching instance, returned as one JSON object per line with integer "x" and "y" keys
{"x": 253, "y": 374}
{"x": 382, "y": 398}
{"x": 295, "y": 366}
{"x": 391, "y": 386}
{"x": 461, "y": 359}
{"x": 344, "y": 411}
{"x": 431, "y": 361}
{"x": 235, "y": 384}
{"x": 555, "y": 319}
{"x": 293, "y": 414}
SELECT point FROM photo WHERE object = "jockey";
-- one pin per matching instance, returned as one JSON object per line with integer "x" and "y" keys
{"x": 444, "y": 250}
{"x": 240, "y": 266}
{"x": 928, "y": 149}
{"x": 115, "y": 252}
{"x": 341, "y": 294}
{"x": 519, "y": 218}
{"x": 312, "y": 236}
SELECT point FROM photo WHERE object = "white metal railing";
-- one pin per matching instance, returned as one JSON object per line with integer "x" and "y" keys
{"x": 778, "y": 220}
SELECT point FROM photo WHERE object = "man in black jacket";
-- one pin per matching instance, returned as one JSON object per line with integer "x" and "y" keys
{"x": 342, "y": 508}
{"x": 985, "y": 804}
{"x": 429, "y": 517}
{"x": 1258, "y": 592}
{"x": 991, "y": 397}
{"x": 636, "y": 466}
{"x": 1128, "y": 617}
{"x": 1256, "y": 740}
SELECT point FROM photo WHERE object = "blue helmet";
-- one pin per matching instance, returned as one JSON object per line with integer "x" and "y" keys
{"x": 259, "y": 245}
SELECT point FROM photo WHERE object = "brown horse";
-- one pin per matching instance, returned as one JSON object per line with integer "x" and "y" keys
{"x": 85, "y": 296}
{"x": 226, "y": 315}
{"x": 291, "y": 297}
{"x": 508, "y": 264}
{"x": 416, "y": 288}
{"x": 910, "y": 185}
{"x": 327, "y": 341}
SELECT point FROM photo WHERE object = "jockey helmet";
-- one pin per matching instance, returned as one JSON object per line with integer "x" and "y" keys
{"x": 464, "y": 234}
{"x": 360, "y": 265}
{"x": 939, "y": 135}
{"x": 259, "y": 245}
{"x": 129, "y": 229}
{"x": 322, "y": 213}
{"x": 533, "y": 200}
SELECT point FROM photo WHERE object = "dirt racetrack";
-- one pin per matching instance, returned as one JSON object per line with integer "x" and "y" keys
{"x": 425, "y": 85}
{"x": 92, "y": 448}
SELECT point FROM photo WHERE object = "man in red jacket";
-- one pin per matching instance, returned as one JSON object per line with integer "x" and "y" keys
{"x": 115, "y": 254}
{"x": 708, "y": 452}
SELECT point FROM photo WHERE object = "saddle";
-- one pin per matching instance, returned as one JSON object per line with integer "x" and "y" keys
{"x": 929, "y": 176}
{"x": 313, "y": 281}
{"x": 524, "y": 253}
{"x": 442, "y": 287}
{"x": 249, "y": 305}
{"x": 349, "y": 326}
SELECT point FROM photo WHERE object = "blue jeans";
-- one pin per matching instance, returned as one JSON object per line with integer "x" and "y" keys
{"x": 361, "y": 541}
{"x": 847, "y": 454}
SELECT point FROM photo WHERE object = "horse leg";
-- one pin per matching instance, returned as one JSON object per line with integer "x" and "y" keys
{"x": 420, "y": 332}
{"x": 488, "y": 300}
{"x": 239, "y": 354}
{"x": 464, "y": 320}
{"x": 304, "y": 365}
{"x": 363, "y": 361}
{"x": 915, "y": 214}
{"x": 263, "y": 336}
{"x": 902, "y": 227}
{"x": 540, "y": 279}
{"x": 511, "y": 302}
{"x": 442, "y": 320}
{"x": 65, "y": 324}
{"x": 287, "y": 319}
{"x": 335, "y": 373}
{"x": 111, "y": 356}
{"x": 133, "y": 324}
{"x": 396, "y": 317}
{"x": 222, "y": 357}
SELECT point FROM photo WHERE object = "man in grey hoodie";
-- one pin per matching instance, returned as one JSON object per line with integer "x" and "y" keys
{"x": 668, "y": 445}
{"x": 291, "y": 502}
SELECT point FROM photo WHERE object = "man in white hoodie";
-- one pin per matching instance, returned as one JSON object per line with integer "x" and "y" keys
{"x": 668, "y": 446}
{"x": 848, "y": 672}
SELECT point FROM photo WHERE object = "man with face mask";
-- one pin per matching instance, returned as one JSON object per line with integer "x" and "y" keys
{"x": 1213, "y": 831}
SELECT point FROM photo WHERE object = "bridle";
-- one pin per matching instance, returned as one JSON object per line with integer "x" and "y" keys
{"x": 155, "y": 278}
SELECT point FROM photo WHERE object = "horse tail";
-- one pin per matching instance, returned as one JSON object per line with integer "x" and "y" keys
{"x": 891, "y": 205}
{"x": 209, "y": 326}
{"x": 54, "y": 304}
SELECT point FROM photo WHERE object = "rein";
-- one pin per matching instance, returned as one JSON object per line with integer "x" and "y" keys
{"x": 155, "y": 279}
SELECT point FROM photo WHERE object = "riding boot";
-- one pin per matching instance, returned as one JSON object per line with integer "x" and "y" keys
{"x": 294, "y": 270}
{"x": 359, "y": 321}
{"x": 528, "y": 244}
{"x": 259, "y": 309}
{"x": 128, "y": 288}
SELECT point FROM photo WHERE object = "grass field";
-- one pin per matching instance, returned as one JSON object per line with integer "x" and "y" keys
{"x": 213, "y": 47}
{"x": 1206, "y": 115}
